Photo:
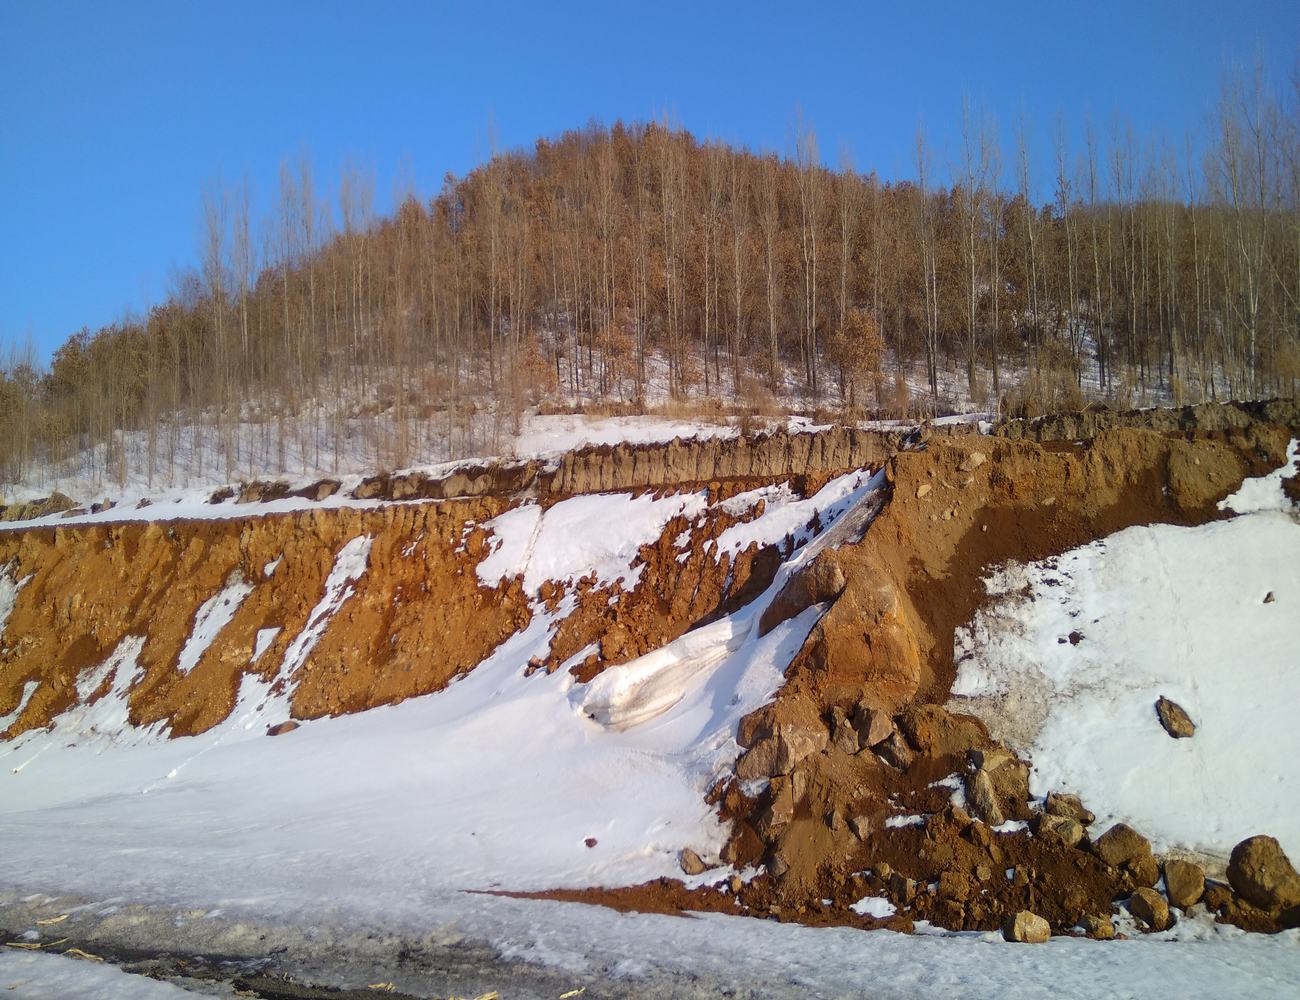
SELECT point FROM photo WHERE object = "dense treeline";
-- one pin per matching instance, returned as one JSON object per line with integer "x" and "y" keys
{"x": 611, "y": 261}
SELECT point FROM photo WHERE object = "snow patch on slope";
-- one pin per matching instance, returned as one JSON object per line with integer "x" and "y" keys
{"x": 598, "y": 534}
{"x": 213, "y": 615}
{"x": 1157, "y": 611}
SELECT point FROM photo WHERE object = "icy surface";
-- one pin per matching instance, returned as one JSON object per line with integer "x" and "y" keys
{"x": 1155, "y": 611}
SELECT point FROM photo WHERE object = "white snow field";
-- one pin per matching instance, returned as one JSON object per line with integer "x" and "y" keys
{"x": 372, "y": 826}
{"x": 36, "y": 976}
{"x": 1205, "y": 616}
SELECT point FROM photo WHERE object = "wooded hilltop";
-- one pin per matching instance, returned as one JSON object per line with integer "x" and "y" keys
{"x": 625, "y": 266}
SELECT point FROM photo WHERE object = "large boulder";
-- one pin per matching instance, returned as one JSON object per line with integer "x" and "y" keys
{"x": 1123, "y": 847}
{"x": 821, "y": 580}
{"x": 936, "y": 732}
{"x": 1027, "y": 928}
{"x": 1261, "y": 873}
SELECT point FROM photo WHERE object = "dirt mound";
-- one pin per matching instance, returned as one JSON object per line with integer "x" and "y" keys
{"x": 884, "y": 649}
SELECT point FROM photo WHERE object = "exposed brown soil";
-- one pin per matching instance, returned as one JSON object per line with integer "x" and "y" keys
{"x": 959, "y": 504}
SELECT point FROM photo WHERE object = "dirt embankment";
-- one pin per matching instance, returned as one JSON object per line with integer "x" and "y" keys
{"x": 411, "y": 618}
{"x": 677, "y": 463}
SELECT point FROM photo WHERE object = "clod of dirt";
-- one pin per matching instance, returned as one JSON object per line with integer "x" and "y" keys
{"x": 1177, "y": 723}
{"x": 1261, "y": 873}
{"x": 1027, "y": 927}
{"x": 1149, "y": 907}
{"x": 280, "y": 728}
{"x": 1184, "y": 882}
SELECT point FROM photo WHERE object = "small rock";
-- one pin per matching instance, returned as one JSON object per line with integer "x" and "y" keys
{"x": 1027, "y": 927}
{"x": 902, "y": 888}
{"x": 922, "y": 490}
{"x": 1149, "y": 907}
{"x": 1060, "y": 829}
{"x": 1069, "y": 806}
{"x": 1176, "y": 721}
{"x": 280, "y": 728}
{"x": 692, "y": 863}
{"x": 982, "y": 799}
{"x": 1098, "y": 928}
{"x": 983, "y": 872}
{"x": 735, "y": 884}
{"x": 835, "y": 821}
{"x": 973, "y": 461}
{"x": 873, "y": 726}
{"x": 1261, "y": 873}
{"x": 954, "y": 885}
{"x": 861, "y": 827}
{"x": 777, "y": 867}
{"x": 895, "y": 751}
{"x": 1269, "y": 598}
{"x": 590, "y": 841}
{"x": 846, "y": 737}
{"x": 989, "y": 758}
{"x": 1184, "y": 883}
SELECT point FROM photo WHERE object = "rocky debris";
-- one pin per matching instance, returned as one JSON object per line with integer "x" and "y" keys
{"x": 1261, "y": 873}
{"x": 1063, "y": 830}
{"x": 779, "y": 753}
{"x": 820, "y": 581}
{"x": 972, "y": 462}
{"x": 1149, "y": 907}
{"x": 1270, "y": 597}
{"x": 1026, "y": 927}
{"x": 691, "y": 863}
{"x": 1098, "y": 928}
{"x": 861, "y": 826}
{"x": 1068, "y": 806}
{"x": 844, "y": 735}
{"x": 936, "y": 732}
{"x": 280, "y": 728}
{"x": 923, "y": 491}
{"x": 1184, "y": 882}
{"x": 1174, "y": 718}
{"x": 1123, "y": 847}
{"x": 982, "y": 798}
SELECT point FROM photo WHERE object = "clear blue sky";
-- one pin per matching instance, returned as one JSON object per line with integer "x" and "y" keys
{"x": 113, "y": 116}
